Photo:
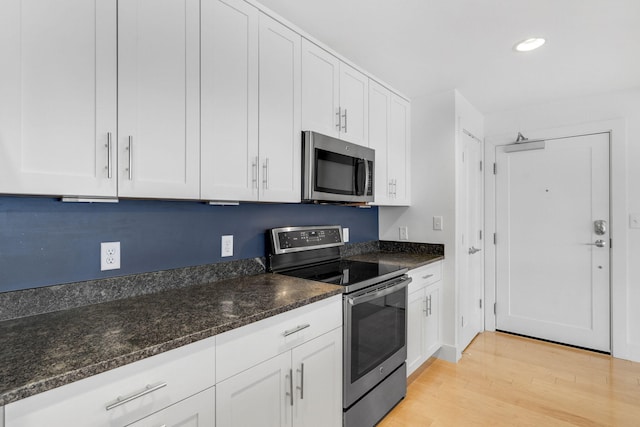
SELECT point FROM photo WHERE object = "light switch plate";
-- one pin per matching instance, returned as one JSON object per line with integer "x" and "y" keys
{"x": 634, "y": 220}
{"x": 345, "y": 235}
{"x": 437, "y": 223}
{"x": 227, "y": 246}
{"x": 404, "y": 233}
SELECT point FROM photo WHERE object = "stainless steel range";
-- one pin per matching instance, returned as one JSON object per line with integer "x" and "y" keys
{"x": 374, "y": 316}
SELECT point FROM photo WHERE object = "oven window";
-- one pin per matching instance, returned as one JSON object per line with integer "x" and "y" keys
{"x": 335, "y": 173}
{"x": 378, "y": 330}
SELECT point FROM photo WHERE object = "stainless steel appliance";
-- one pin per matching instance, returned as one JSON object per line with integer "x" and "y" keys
{"x": 336, "y": 171}
{"x": 374, "y": 316}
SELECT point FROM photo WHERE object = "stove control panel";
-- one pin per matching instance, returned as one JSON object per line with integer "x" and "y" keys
{"x": 296, "y": 239}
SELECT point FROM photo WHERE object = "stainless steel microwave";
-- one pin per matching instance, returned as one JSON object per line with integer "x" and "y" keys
{"x": 336, "y": 171}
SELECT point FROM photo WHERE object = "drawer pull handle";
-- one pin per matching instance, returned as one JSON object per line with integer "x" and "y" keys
{"x": 427, "y": 276}
{"x": 296, "y": 329}
{"x": 148, "y": 389}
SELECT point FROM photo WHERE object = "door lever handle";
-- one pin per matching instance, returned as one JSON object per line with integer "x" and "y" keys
{"x": 599, "y": 243}
{"x": 473, "y": 250}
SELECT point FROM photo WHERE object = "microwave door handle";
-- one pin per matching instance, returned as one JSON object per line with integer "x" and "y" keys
{"x": 367, "y": 183}
{"x": 361, "y": 177}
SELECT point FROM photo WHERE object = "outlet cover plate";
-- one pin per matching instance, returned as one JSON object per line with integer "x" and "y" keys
{"x": 437, "y": 223}
{"x": 109, "y": 256}
{"x": 404, "y": 233}
{"x": 345, "y": 235}
{"x": 227, "y": 246}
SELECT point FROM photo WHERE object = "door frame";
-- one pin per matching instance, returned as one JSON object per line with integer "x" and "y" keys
{"x": 618, "y": 215}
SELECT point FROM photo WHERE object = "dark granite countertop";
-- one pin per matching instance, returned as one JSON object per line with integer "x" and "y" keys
{"x": 404, "y": 259}
{"x": 41, "y": 352}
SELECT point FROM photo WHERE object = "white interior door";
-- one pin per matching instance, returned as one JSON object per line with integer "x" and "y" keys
{"x": 470, "y": 252}
{"x": 552, "y": 272}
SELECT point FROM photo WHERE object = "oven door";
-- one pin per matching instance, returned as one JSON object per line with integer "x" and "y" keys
{"x": 375, "y": 322}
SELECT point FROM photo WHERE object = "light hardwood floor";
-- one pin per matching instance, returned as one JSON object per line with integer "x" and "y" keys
{"x": 505, "y": 380}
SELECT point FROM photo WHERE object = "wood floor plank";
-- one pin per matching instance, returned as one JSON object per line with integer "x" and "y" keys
{"x": 506, "y": 380}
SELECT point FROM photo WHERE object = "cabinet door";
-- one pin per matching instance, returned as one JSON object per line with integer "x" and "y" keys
{"x": 432, "y": 324}
{"x": 354, "y": 104}
{"x": 195, "y": 411}
{"x": 398, "y": 150}
{"x": 260, "y": 396}
{"x": 379, "y": 104}
{"x": 320, "y": 90}
{"x": 279, "y": 100}
{"x": 158, "y": 98}
{"x": 317, "y": 368}
{"x": 229, "y": 131}
{"x": 416, "y": 330}
{"x": 57, "y": 97}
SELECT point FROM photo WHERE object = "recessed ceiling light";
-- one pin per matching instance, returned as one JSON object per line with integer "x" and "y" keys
{"x": 529, "y": 44}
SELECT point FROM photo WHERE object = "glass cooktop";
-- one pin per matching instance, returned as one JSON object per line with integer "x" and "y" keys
{"x": 347, "y": 273}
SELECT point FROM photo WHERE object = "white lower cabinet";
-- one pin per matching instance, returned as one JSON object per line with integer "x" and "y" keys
{"x": 195, "y": 411}
{"x": 124, "y": 395}
{"x": 423, "y": 325}
{"x": 283, "y": 371}
{"x": 301, "y": 387}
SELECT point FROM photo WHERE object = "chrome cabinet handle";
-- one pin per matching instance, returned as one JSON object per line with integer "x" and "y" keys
{"x": 427, "y": 276}
{"x": 148, "y": 389}
{"x": 290, "y": 386}
{"x": 473, "y": 250}
{"x": 345, "y": 120}
{"x": 265, "y": 171}
{"x": 254, "y": 173}
{"x": 426, "y": 307}
{"x": 430, "y": 305}
{"x": 338, "y": 121}
{"x": 296, "y": 329}
{"x": 108, "y": 155}
{"x": 301, "y": 388}
{"x": 130, "y": 147}
{"x": 599, "y": 243}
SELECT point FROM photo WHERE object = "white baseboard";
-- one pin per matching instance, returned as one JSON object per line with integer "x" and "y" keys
{"x": 448, "y": 353}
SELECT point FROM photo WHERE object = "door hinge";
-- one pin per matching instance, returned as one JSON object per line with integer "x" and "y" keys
{"x": 495, "y": 169}
{"x": 480, "y": 234}
{"x": 462, "y": 321}
{"x": 480, "y": 165}
{"x": 494, "y": 239}
{"x": 480, "y": 302}
{"x": 494, "y": 308}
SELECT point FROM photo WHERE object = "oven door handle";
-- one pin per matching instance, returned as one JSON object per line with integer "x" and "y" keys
{"x": 377, "y": 294}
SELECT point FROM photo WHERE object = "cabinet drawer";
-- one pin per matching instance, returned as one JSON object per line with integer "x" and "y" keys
{"x": 425, "y": 275}
{"x": 171, "y": 376}
{"x": 245, "y": 347}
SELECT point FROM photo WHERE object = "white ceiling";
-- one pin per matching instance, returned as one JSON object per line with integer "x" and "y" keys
{"x": 426, "y": 46}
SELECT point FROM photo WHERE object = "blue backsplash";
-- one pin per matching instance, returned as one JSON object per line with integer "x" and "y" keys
{"x": 44, "y": 241}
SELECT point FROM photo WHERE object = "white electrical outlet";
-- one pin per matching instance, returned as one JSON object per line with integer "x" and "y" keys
{"x": 227, "y": 246}
{"x": 404, "y": 233}
{"x": 345, "y": 235}
{"x": 437, "y": 223}
{"x": 109, "y": 256}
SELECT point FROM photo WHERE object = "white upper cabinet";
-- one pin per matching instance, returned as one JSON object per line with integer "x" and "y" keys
{"x": 354, "y": 105}
{"x": 58, "y": 97}
{"x": 229, "y": 100}
{"x": 159, "y": 98}
{"x": 389, "y": 127}
{"x": 320, "y": 90}
{"x": 279, "y": 129}
{"x": 334, "y": 96}
{"x": 399, "y": 149}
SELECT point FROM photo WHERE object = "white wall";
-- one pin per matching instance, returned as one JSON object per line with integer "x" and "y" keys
{"x": 619, "y": 112}
{"x": 435, "y": 123}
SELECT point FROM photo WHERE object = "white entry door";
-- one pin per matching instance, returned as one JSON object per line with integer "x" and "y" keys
{"x": 552, "y": 241}
{"x": 470, "y": 252}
